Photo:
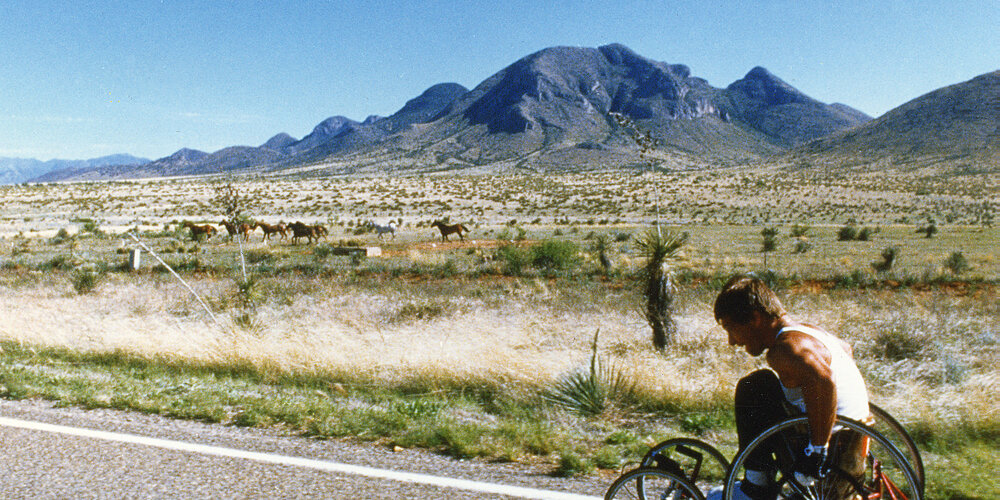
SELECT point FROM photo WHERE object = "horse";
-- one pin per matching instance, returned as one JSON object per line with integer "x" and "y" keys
{"x": 320, "y": 231}
{"x": 301, "y": 230}
{"x": 270, "y": 229}
{"x": 199, "y": 231}
{"x": 241, "y": 230}
{"x": 380, "y": 229}
{"x": 447, "y": 229}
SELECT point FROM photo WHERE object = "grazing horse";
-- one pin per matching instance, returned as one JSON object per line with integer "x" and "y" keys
{"x": 447, "y": 229}
{"x": 197, "y": 231}
{"x": 380, "y": 229}
{"x": 300, "y": 230}
{"x": 241, "y": 230}
{"x": 270, "y": 229}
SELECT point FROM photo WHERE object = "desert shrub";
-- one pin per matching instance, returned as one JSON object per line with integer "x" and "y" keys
{"x": 512, "y": 259}
{"x": 865, "y": 234}
{"x": 622, "y": 237}
{"x": 802, "y": 246}
{"x": 956, "y": 263}
{"x": 897, "y": 342}
{"x": 85, "y": 280}
{"x": 555, "y": 255}
{"x": 414, "y": 311}
{"x": 889, "y": 255}
{"x": 770, "y": 241}
{"x": 261, "y": 257}
{"x": 847, "y": 233}
{"x": 322, "y": 251}
{"x": 572, "y": 464}
{"x": 799, "y": 230}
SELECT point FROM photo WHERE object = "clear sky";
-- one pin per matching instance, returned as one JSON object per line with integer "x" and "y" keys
{"x": 81, "y": 79}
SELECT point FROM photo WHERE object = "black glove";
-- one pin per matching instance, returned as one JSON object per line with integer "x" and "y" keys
{"x": 811, "y": 466}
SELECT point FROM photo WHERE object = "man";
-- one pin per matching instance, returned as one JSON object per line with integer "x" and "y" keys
{"x": 812, "y": 372}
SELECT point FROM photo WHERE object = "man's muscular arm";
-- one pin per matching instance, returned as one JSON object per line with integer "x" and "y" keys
{"x": 802, "y": 361}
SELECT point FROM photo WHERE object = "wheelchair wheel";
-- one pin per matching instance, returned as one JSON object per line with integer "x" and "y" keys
{"x": 697, "y": 461}
{"x": 652, "y": 483}
{"x": 896, "y": 433}
{"x": 864, "y": 464}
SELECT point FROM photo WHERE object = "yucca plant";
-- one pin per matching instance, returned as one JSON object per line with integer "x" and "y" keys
{"x": 657, "y": 246}
{"x": 591, "y": 390}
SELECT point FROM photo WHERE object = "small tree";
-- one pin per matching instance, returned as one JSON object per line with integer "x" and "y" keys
{"x": 889, "y": 255}
{"x": 657, "y": 246}
{"x": 770, "y": 242}
{"x": 956, "y": 263}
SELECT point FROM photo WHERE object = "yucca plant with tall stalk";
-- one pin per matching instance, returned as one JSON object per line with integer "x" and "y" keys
{"x": 592, "y": 390}
{"x": 657, "y": 246}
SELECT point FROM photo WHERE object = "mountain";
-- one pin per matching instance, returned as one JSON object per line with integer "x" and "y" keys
{"x": 551, "y": 110}
{"x": 15, "y": 170}
{"x": 956, "y": 128}
{"x": 788, "y": 117}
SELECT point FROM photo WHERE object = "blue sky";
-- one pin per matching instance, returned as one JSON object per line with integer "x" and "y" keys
{"x": 82, "y": 79}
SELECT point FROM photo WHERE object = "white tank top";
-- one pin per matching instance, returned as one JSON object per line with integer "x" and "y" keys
{"x": 852, "y": 394}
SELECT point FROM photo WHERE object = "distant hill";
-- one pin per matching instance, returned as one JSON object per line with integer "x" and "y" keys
{"x": 955, "y": 129}
{"x": 547, "y": 111}
{"x": 16, "y": 170}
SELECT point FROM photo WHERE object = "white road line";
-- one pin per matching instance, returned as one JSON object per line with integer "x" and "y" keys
{"x": 409, "y": 477}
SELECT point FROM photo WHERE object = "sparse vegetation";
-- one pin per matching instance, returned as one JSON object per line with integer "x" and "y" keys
{"x": 456, "y": 346}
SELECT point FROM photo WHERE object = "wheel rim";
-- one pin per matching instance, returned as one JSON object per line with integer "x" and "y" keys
{"x": 877, "y": 467}
{"x": 646, "y": 483}
{"x": 696, "y": 460}
{"x": 896, "y": 433}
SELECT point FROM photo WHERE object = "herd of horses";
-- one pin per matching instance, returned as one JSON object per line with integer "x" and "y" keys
{"x": 298, "y": 230}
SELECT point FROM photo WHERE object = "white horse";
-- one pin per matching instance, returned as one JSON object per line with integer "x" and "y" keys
{"x": 380, "y": 229}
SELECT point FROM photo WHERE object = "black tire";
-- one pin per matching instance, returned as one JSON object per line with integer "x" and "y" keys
{"x": 895, "y": 432}
{"x": 883, "y": 460}
{"x": 651, "y": 483}
{"x": 695, "y": 460}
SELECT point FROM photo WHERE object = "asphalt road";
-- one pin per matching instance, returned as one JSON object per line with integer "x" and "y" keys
{"x": 71, "y": 453}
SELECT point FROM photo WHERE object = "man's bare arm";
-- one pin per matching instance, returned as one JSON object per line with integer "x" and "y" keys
{"x": 804, "y": 362}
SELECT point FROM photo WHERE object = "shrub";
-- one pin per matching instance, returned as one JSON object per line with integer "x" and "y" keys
{"x": 512, "y": 259}
{"x": 555, "y": 255}
{"x": 85, "y": 281}
{"x": 572, "y": 464}
{"x": 418, "y": 311}
{"x": 889, "y": 255}
{"x": 847, "y": 233}
{"x": 865, "y": 234}
{"x": 770, "y": 242}
{"x": 802, "y": 246}
{"x": 898, "y": 342}
{"x": 956, "y": 263}
{"x": 799, "y": 231}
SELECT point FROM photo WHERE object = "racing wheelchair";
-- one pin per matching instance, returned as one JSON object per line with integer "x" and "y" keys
{"x": 868, "y": 461}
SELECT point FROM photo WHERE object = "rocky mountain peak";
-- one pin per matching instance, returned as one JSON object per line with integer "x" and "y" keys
{"x": 761, "y": 85}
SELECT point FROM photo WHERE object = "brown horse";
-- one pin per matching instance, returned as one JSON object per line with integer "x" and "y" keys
{"x": 301, "y": 230}
{"x": 447, "y": 229}
{"x": 241, "y": 230}
{"x": 197, "y": 231}
{"x": 321, "y": 231}
{"x": 270, "y": 229}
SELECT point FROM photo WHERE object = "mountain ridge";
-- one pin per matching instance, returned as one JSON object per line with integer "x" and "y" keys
{"x": 550, "y": 111}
